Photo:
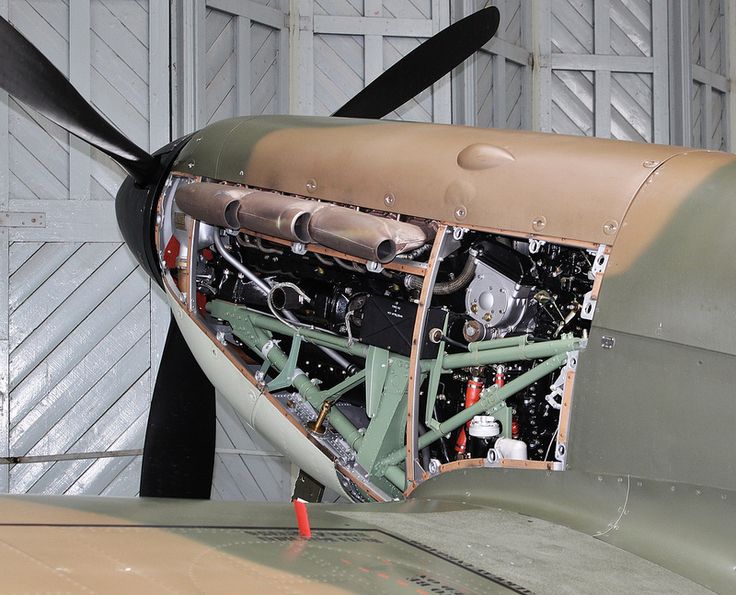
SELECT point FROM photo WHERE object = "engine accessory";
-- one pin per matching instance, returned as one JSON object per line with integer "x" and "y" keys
{"x": 287, "y": 296}
{"x": 508, "y": 448}
{"x": 473, "y": 390}
{"x": 389, "y": 324}
{"x": 483, "y": 431}
{"x": 498, "y": 302}
{"x": 475, "y": 331}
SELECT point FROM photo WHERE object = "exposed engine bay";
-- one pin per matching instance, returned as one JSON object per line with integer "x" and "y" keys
{"x": 386, "y": 340}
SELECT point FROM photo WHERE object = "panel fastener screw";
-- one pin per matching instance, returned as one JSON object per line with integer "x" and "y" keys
{"x": 539, "y": 223}
{"x": 389, "y": 199}
{"x": 461, "y": 212}
{"x": 311, "y": 185}
{"x": 610, "y": 227}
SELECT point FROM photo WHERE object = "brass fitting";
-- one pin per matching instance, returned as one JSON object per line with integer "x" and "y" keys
{"x": 318, "y": 425}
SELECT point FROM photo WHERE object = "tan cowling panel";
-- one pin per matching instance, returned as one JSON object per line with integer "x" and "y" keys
{"x": 521, "y": 182}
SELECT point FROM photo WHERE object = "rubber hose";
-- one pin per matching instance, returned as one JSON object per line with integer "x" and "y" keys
{"x": 447, "y": 287}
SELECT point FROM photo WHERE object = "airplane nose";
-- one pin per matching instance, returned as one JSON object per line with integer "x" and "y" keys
{"x": 134, "y": 208}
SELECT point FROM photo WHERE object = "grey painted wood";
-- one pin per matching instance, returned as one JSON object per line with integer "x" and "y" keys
{"x": 262, "y": 476}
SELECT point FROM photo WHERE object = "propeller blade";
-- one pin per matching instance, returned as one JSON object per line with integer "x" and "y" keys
{"x": 28, "y": 76}
{"x": 423, "y": 66}
{"x": 179, "y": 451}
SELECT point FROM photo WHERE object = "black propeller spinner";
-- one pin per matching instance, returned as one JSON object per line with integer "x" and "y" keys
{"x": 178, "y": 454}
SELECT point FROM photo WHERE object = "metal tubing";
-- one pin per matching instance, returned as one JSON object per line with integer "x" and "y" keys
{"x": 529, "y": 351}
{"x": 489, "y": 399}
{"x": 239, "y": 266}
{"x": 268, "y": 323}
{"x": 396, "y": 476}
{"x": 309, "y": 391}
{"x": 498, "y": 343}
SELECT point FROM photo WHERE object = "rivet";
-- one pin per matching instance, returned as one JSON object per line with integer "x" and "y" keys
{"x": 311, "y": 185}
{"x": 610, "y": 227}
{"x": 539, "y": 223}
{"x": 389, "y": 199}
{"x": 461, "y": 212}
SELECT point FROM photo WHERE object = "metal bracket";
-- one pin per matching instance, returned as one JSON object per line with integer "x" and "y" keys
{"x": 15, "y": 219}
{"x": 590, "y": 299}
{"x": 285, "y": 377}
{"x": 434, "y": 379}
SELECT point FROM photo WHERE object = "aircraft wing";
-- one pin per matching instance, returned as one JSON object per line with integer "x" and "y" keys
{"x": 83, "y": 544}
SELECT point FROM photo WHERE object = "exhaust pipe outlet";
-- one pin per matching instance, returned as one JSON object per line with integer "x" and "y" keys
{"x": 363, "y": 235}
{"x": 277, "y": 215}
{"x": 212, "y": 203}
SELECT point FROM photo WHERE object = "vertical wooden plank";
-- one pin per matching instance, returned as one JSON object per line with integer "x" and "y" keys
{"x": 442, "y": 89}
{"x": 79, "y": 75}
{"x": 243, "y": 53}
{"x": 190, "y": 48}
{"x": 731, "y": 69}
{"x": 680, "y": 74}
{"x": 527, "y": 113}
{"x": 373, "y": 45}
{"x": 498, "y": 73}
{"x": 706, "y": 90}
{"x": 4, "y": 367}
{"x": 4, "y": 277}
{"x": 301, "y": 57}
{"x": 542, "y": 71}
{"x": 602, "y": 86}
{"x": 283, "y": 61}
{"x": 158, "y": 74}
{"x": 660, "y": 76}
{"x": 463, "y": 79}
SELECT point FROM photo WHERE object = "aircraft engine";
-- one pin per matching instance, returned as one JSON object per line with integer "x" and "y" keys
{"x": 330, "y": 296}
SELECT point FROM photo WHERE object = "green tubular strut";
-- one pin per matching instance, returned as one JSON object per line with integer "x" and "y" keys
{"x": 257, "y": 340}
{"x": 255, "y": 328}
{"x": 489, "y": 399}
{"x": 484, "y": 355}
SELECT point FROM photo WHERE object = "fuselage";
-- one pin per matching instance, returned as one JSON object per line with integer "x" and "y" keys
{"x": 648, "y": 380}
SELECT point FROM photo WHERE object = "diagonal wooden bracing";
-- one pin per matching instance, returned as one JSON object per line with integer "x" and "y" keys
{"x": 76, "y": 341}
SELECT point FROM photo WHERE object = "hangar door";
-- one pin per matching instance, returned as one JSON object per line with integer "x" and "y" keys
{"x": 79, "y": 329}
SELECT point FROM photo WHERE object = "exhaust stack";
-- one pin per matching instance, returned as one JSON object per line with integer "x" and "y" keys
{"x": 363, "y": 235}
{"x": 300, "y": 220}
{"x": 215, "y": 204}
{"x": 277, "y": 215}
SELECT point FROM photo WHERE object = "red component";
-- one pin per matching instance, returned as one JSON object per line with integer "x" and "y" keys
{"x": 500, "y": 378}
{"x": 171, "y": 252}
{"x": 201, "y": 302}
{"x": 514, "y": 428}
{"x": 207, "y": 254}
{"x": 302, "y": 518}
{"x": 462, "y": 442}
{"x": 472, "y": 396}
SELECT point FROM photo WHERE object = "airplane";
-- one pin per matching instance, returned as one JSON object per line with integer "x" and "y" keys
{"x": 511, "y": 350}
